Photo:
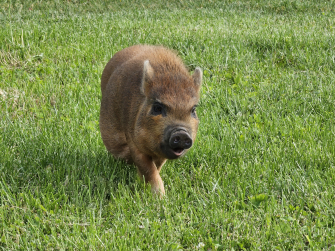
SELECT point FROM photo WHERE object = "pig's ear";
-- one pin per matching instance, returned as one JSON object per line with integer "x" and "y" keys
{"x": 148, "y": 74}
{"x": 197, "y": 76}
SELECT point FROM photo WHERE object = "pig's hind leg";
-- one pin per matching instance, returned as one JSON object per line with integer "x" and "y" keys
{"x": 115, "y": 142}
{"x": 121, "y": 150}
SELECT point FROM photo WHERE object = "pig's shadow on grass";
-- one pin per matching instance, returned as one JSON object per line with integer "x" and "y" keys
{"x": 76, "y": 172}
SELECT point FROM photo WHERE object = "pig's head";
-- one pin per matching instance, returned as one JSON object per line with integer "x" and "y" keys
{"x": 167, "y": 124}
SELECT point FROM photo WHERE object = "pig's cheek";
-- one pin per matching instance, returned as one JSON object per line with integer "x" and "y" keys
{"x": 156, "y": 120}
{"x": 195, "y": 128}
{"x": 145, "y": 138}
{"x": 156, "y": 132}
{"x": 140, "y": 138}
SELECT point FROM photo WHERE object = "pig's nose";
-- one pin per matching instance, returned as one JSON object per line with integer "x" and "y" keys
{"x": 180, "y": 139}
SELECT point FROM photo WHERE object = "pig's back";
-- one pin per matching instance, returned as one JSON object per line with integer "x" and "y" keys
{"x": 130, "y": 60}
{"x": 116, "y": 61}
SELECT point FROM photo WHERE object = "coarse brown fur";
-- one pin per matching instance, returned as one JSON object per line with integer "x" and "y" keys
{"x": 134, "y": 81}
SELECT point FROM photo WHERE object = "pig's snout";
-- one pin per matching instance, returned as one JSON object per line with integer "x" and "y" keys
{"x": 177, "y": 141}
{"x": 180, "y": 140}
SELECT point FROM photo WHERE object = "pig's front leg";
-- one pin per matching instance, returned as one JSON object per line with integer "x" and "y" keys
{"x": 159, "y": 162}
{"x": 146, "y": 168}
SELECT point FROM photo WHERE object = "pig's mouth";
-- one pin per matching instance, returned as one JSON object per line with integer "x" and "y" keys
{"x": 172, "y": 153}
{"x": 178, "y": 151}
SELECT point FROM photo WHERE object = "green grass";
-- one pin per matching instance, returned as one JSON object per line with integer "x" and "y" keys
{"x": 261, "y": 174}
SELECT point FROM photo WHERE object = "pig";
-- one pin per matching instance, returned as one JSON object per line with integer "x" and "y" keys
{"x": 148, "y": 109}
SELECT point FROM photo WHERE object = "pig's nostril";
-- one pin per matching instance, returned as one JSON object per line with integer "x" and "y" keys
{"x": 188, "y": 142}
{"x": 176, "y": 139}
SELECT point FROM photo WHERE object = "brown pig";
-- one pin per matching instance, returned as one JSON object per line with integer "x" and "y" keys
{"x": 148, "y": 107}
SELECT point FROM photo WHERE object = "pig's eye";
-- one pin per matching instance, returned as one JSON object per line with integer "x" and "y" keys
{"x": 193, "y": 112}
{"x": 158, "y": 109}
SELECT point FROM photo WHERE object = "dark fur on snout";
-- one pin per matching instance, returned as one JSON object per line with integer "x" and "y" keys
{"x": 147, "y": 110}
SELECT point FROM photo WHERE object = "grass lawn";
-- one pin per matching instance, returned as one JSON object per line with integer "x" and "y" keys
{"x": 261, "y": 174}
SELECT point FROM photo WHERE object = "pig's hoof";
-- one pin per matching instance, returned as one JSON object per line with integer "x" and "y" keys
{"x": 158, "y": 192}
